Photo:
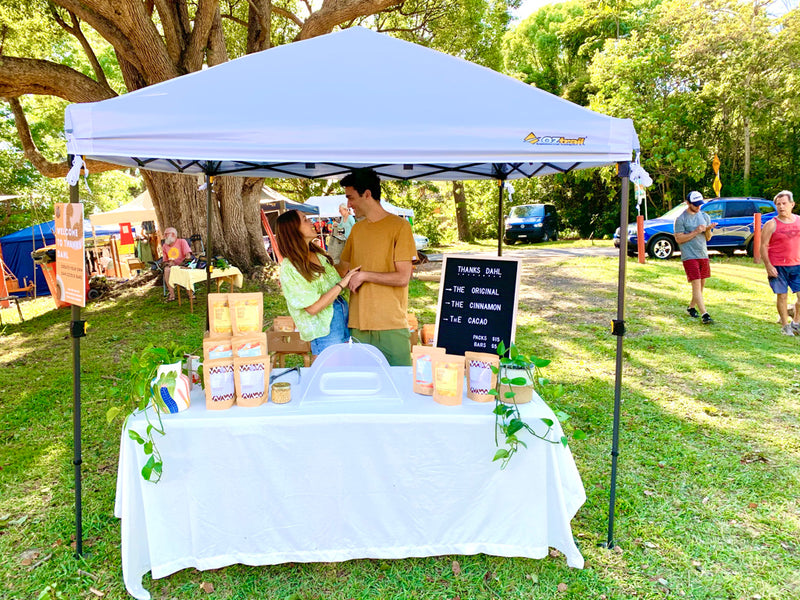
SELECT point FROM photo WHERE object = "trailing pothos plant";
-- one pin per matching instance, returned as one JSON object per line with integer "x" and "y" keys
{"x": 138, "y": 392}
{"x": 508, "y": 421}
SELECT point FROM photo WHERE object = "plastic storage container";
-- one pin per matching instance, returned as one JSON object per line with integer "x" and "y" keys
{"x": 351, "y": 372}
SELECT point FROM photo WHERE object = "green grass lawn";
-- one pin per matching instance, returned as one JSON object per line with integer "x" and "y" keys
{"x": 709, "y": 466}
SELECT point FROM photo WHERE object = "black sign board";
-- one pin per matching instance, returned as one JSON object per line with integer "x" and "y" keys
{"x": 477, "y": 303}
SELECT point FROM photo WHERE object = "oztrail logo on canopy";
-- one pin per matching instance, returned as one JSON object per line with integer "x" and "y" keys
{"x": 554, "y": 140}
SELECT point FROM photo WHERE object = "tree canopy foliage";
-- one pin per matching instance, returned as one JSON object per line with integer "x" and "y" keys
{"x": 698, "y": 78}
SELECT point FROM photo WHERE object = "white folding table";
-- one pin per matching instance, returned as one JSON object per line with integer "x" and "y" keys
{"x": 325, "y": 482}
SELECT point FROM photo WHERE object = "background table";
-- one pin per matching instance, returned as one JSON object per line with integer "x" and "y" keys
{"x": 187, "y": 278}
{"x": 321, "y": 482}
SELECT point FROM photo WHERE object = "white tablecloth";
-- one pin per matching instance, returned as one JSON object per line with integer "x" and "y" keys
{"x": 306, "y": 482}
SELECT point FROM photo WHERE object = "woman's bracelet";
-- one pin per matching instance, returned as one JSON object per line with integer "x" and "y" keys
{"x": 341, "y": 287}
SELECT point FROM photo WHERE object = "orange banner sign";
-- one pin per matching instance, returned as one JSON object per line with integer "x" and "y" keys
{"x": 70, "y": 264}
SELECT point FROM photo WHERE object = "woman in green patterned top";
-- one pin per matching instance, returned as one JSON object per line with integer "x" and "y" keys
{"x": 311, "y": 285}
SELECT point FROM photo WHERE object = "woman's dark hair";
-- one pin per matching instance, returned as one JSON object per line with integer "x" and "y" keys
{"x": 292, "y": 245}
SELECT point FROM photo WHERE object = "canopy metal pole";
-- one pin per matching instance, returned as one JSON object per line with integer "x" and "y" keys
{"x": 500, "y": 218}
{"x": 618, "y": 329}
{"x": 209, "y": 254}
{"x": 76, "y": 331}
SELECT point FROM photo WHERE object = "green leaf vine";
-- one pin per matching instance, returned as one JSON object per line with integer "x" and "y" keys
{"x": 139, "y": 392}
{"x": 508, "y": 420}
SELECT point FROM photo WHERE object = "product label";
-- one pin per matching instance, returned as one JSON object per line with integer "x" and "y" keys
{"x": 252, "y": 380}
{"x": 446, "y": 380}
{"x": 480, "y": 377}
{"x": 424, "y": 371}
{"x": 222, "y": 318}
{"x": 220, "y": 351}
{"x": 247, "y": 316}
{"x": 250, "y": 350}
{"x": 222, "y": 386}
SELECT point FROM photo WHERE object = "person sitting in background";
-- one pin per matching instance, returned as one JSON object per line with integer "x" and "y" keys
{"x": 311, "y": 285}
{"x": 174, "y": 251}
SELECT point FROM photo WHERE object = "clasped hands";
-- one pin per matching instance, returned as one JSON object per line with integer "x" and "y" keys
{"x": 353, "y": 279}
{"x": 703, "y": 228}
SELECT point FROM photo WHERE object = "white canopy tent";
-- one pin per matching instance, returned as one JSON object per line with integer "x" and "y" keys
{"x": 407, "y": 111}
{"x": 329, "y": 206}
{"x": 446, "y": 119}
{"x": 136, "y": 211}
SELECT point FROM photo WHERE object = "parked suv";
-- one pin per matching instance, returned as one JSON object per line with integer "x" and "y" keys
{"x": 734, "y": 230}
{"x": 532, "y": 223}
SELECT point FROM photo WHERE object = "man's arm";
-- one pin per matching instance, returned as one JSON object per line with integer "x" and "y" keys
{"x": 682, "y": 238}
{"x": 766, "y": 235}
{"x": 397, "y": 278}
{"x": 709, "y": 230}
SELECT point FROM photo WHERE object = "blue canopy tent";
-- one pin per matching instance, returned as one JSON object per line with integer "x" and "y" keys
{"x": 17, "y": 248}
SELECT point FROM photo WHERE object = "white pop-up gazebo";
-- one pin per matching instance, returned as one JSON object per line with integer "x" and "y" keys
{"x": 329, "y": 206}
{"x": 136, "y": 211}
{"x": 407, "y": 111}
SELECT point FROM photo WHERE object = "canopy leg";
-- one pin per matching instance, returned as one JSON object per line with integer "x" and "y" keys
{"x": 619, "y": 331}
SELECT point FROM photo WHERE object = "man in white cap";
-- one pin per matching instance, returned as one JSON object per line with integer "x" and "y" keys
{"x": 692, "y": 231}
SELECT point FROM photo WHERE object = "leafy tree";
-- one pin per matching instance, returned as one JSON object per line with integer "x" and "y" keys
{"x": 90, "y": 50}
{"x": 702, "y": 78}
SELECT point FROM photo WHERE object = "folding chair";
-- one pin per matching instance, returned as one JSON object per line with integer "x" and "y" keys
{"x": 197, "y": 245}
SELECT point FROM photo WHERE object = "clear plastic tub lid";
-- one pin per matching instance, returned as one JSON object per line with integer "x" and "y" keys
{"x": 350, "y": 372}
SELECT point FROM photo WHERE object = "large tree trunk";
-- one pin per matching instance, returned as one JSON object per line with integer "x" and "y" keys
{"x": 235, "y": 222}
{"x": 462, "y": 222}
{"x": 154, "y": 41}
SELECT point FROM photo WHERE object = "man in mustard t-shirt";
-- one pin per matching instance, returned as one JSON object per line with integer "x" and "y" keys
{"x": 383, "y": 246}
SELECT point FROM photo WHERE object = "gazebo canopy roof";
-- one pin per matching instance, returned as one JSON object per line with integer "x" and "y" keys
{"x": 354, "y": 98}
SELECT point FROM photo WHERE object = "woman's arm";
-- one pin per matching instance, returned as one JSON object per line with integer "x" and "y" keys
{"x": 328, "y": 297}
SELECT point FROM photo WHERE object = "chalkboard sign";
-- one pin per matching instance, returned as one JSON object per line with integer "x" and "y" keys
{"x": 477, "y": 303}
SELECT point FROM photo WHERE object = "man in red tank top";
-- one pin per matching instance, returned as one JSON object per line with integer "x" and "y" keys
{"x": 780, "y": 250}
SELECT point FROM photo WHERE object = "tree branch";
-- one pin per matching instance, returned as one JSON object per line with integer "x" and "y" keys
{"x": 130, "y": 28}
{"x": 258, "y": 25}
{"x": 199, "y": 39}
{"x": 170, "y": 23}
{"x": 19, "y": 76}
{"x": 75, "y": 30}
{"x": 44, "y": 166}
{"x": 103, "y": 25}
{"x": 236, "y": 20}
{"x": 335, "y": 12}
{"x": 217, "y": 51}
{"x": 282, "y": 12}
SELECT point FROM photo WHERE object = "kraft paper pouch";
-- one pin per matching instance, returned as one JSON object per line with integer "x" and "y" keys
{"x": 423, "y": 368}
{"x": 219, "y": 316}
{"x": 214, "y": 349}
{"x": 285, "y": 324}
{"x": 247, "y": 312}
{"x": 219, "y": 385}
{"x": 448, "y": 379}
{"x": 480, "y": 378}
{"x": 251, "y": 376}
{"x": 427, "y": 333}
{"x": 250, "y": 346}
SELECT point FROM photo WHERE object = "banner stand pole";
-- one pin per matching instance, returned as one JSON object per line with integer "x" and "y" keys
{"x": 77, "y": 331}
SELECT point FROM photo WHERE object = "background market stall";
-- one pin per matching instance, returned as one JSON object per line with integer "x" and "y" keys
{"x": 18, "y": 246}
